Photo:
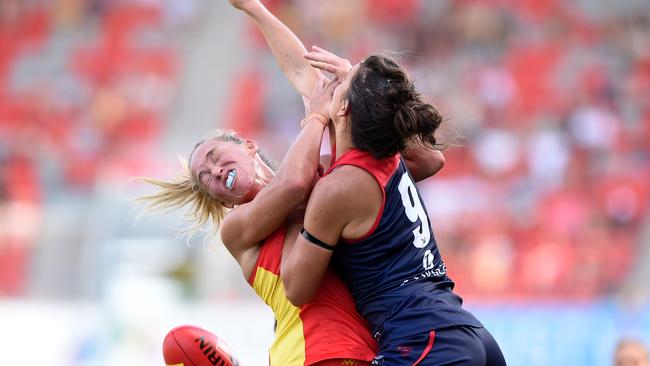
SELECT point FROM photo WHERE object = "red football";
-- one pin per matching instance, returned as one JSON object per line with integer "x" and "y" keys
{"x": 188, "y": 345}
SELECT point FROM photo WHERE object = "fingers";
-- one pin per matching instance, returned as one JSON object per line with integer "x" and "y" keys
{"x": 331, "y": 85}
{"x": 324, "y": 87}
{"x": 321, "y": 85}
{"x": 316, "y": 48}
{"x": 323, "y": 57}
{"x": 325, "y": 67}
{"x": 343, "y": 62}
{"x": 321, "y": 96}
{"x": 319, "y": 54}
{"x": 318, "y": 88}
{"x": 329, "y": 62}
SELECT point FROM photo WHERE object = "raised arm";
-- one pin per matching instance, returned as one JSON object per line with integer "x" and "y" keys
{"x": 249, "y": 223}
{"x": 285, "y": 45}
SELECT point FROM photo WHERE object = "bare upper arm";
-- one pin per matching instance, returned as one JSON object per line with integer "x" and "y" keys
{"x": 327, "y": 211}
{"x": 304, "y": 265}
{"x": 349, "y": 199}
{"x": 247, "y": 224}
{"x": 335, "y": 209}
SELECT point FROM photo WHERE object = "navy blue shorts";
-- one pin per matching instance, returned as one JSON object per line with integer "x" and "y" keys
{"x": 460, "y": 345}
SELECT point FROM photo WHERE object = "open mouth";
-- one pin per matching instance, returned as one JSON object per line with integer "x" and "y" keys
{"x": 230, "y": 181}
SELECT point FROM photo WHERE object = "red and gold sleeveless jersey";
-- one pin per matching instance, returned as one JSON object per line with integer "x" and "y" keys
{"x": 327, "y": 328}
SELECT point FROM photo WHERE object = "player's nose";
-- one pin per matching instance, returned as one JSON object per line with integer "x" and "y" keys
{"x": 217, "y": 171}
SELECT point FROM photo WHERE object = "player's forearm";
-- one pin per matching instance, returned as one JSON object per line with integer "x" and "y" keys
{"x": 249, "y": 223}
{"x": 286, "y": 47}
{"x": 301, "y": 162}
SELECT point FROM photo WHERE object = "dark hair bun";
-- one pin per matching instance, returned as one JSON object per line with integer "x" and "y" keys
{"x": 386, "y": 111}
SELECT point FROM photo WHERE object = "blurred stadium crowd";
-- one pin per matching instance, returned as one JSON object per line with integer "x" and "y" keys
{"x": 546, "y": 188}
{"x": 75, "y": 107}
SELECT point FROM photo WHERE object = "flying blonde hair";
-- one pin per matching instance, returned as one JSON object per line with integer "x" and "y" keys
{"x": 185, "y": 192}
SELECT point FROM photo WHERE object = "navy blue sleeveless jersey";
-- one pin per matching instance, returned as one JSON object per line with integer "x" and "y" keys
{"x": 395, "y": 272}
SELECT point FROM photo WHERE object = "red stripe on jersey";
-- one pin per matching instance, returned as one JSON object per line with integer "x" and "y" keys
{"x": 270, "y": 253}
{"x": 432, "y": 337}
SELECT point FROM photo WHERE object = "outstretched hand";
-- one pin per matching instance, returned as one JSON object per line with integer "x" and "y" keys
{"x": 327, "y": 61}
{"x": 321, "y": 97}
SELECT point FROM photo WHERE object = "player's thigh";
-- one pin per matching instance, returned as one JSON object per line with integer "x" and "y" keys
{"x": 448, "y": 346}
{"x": 494, "y": 356}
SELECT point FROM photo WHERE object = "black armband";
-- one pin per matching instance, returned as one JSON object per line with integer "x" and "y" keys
{"x": 314, "y": 240}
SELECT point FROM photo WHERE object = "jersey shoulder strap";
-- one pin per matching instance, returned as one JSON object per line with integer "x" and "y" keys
{"x": 270, "y": 253}
{"x": 380, "y": 169}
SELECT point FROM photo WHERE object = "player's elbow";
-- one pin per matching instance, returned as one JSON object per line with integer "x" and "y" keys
{"x": 295, "y": 294}
{"x": 426, "y": 164}
{"x": 298, "y": 187}
{"x": 297, "y": 298}
{"x": 437, "y": 162}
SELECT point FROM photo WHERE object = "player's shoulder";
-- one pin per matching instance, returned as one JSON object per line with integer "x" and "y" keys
{"x": 344, "y": 180}
{"x": 344, "y": 189}
{"x": 329, "y": 187}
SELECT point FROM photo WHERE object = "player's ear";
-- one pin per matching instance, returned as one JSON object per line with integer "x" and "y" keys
{"x": 344, "y": 108}
{"x": 251, "y": 146}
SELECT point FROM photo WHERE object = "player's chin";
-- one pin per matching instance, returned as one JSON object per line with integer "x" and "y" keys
{"x": 243, "y": 198}
{"x": 243, "y": 192}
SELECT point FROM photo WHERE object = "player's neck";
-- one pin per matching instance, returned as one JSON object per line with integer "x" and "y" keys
{"x": 343, "y": 136}
{"x": 343, "y": 143}
{"x": 263, "y": 173}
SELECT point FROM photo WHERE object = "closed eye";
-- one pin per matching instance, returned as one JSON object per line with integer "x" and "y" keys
{"x": 214, "y": 157}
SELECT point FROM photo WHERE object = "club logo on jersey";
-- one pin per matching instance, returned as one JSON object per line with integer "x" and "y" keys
{"x": 438, "y": 272}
